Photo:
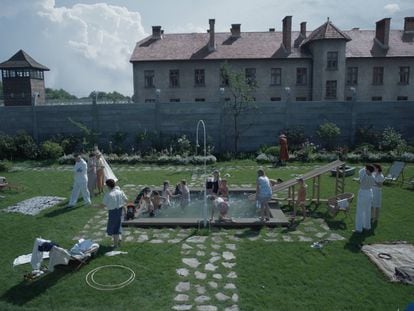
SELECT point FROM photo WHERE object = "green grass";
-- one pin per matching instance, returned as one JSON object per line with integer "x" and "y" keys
{"x": 272, "y": 276}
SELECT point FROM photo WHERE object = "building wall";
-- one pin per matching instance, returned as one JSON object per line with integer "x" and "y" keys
{"x": 391, "y": 88}
{"x": 259, "y": 126}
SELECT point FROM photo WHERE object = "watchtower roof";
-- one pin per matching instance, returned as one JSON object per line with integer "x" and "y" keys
{"x": 22, "y": 60}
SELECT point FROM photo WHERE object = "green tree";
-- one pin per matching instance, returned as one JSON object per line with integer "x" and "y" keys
{"x": 242, "y": 100}
{"x": 60, "y": 94}
{"x": 89, "y": 137}
{"x": 328, "y": 134}
{"x": 113, "y": 97}
{"x": 392, "y": 140}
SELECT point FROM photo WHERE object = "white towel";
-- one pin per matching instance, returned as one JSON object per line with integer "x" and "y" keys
{"x": 343, "y": 204}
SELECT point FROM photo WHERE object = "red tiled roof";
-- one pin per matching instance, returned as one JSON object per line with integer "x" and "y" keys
{"x": 265, "y": 45}
{"x": 22, "y": 60}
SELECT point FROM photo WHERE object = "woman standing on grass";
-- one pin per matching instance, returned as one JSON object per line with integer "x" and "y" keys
{"x": 100, "y": 175}
{"x": 114, "y": 201}
{"x": 263, "y": 194}
{"x": 364, "y": 201}
{"x": 377, "y": 191}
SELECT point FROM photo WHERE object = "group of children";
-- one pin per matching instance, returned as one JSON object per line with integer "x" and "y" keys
{"x": 218, "y": 194}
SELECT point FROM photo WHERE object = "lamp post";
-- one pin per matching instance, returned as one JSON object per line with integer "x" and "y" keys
{"x": 157, "y": 95}
{"x": 205, "y": 172}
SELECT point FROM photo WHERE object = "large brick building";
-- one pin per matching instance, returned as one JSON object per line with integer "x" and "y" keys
{"x": 327, "y": 64}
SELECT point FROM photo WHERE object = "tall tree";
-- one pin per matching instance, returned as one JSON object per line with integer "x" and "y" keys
{"x": 60, "y": 94}
{"x": 241, "y": 89}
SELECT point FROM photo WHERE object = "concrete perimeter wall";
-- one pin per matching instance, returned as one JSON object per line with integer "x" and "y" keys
{"x": 260, "y": 125}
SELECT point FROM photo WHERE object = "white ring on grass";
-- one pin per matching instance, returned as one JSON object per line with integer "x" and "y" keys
{"x": 90, "y": 278}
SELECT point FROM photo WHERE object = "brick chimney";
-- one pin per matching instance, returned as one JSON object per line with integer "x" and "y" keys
{"x": 303, "y": 29}
{"x": 157, "y": 32}
{"x": 272, "y": 29}
{"x": 409, "y": 25}
{"x": 382, "y": 32}
{"x": 235, "y": 30}
{"x": 212, "y": 41}
{"x": 287, "y": 33}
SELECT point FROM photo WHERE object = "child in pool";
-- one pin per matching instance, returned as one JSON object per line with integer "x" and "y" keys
{"x": 185, "y": 194}
{"x": 223, "y": 190}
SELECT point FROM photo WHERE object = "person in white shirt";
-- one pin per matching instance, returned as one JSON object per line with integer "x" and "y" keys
{"x": 377, "y": 191}
{"x": 364, "y": 201}
{"x": 114, "y": 201}
{"x": 80, "y": 184}
{"x": 263, "y": 194}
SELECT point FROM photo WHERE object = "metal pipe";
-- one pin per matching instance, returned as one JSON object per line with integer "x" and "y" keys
{"x": 205, "y": 169}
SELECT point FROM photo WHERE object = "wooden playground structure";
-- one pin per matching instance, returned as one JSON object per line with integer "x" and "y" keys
{"x": 315, "y": 175}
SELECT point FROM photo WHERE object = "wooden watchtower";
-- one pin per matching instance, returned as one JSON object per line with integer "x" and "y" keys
{"x": 23, "y": 80}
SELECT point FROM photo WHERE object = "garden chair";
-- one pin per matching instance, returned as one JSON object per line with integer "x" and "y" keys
{"x": 6, "y": 185}
{"x": 394, "y": 172}
{"x": 340, "y": 203}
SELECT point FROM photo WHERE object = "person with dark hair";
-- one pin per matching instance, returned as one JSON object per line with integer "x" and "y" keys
{"x": 377, "y": 191}
{"x": 114, "y": 201}
{"x": 80, "y": 184}
{"x": 364, "y": 200}
{"x": 185, "y": 194}
{"x": 283, "y": 153}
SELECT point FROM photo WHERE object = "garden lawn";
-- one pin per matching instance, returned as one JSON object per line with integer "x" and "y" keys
{"x": 271, "y": 276}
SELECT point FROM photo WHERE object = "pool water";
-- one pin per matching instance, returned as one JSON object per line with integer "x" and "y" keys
{"x": 239, "y": 207}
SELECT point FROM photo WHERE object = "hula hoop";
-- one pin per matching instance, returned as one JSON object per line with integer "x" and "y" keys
{"x": 385, "y": 256}
{"x": 90, "y": 278}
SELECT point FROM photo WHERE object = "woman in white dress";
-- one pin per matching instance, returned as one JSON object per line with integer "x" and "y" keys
{"x": 377, "y": 192}
{"x": 364, "y": 201}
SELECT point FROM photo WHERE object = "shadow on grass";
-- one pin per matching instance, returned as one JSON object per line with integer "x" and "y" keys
{"x": 356, "y": 240}
{"x": 26, "y": 291}
{"x": 62, "y": 210}
{"x": 249, "y": 233}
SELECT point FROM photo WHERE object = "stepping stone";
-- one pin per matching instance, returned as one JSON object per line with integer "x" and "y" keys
{"x": 309, "y": 229}
{"x": 200, "y": 289}
{"x": 335, "y": 237}
{"x": 186, "y": 246}
{"x": 162, "y": 235}
{"x": 210, "y": 267}
{"x": 229, "y": 286}
{"x": 174, "y": 241}
{"x": 126, "y": 233}
{"x": 321, "y": 234}
{"x": 197, "y": 239}
{"x": 200, "y": 275}
{"x": 305, "y": 239}
{"x": 181, "y": 298}
{"x": 143, "y": 238}
{"x": 228, "y": 264}
{"x": 287, "y": 238}
{"x": 325, "y": 227}
{"x": 297, "y": 232}
{"x": 235, "y": 298}
{"x": 232, "y": 308}
{"x": 182, "y": 272}
{"x": 201, "y": 246}
{"x": 217, "y": 276}
{"x": 192, "y": 262}
{"x": 231, "y": 247}
{"x": 217, "y": 239}
{"x": 232, "y": 275}
{"x": 156, "y": 241}
{"x": 253, "y": 238}
{"x": 222, "y": 297}
{"x": 129, "y": 239}
{"x": 213, "y": 284}
{"x": 202, "y": 299}
{"x": 182, "y": 307}
{"x": 271, "y": 234}
{"x": 215, "y": 246}
{"x": 214, "y": 259}
{"x": 207, "y": 308}
{"x": 214, "y": 254}
{"x": 270, "y": 240}
{"x": 186, "y": 252}
{"x": 228, "y": 256}
{"x": 182, "y": 287}
{"x": 200, "y": 253}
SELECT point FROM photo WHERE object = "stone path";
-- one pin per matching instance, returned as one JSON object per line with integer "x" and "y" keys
{"x": 207, "y": 278}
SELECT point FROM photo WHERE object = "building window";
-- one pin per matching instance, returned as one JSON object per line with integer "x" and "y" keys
{"x": 275, "y": 99}
{"x": 352, "y": 76}
{"x": 174, "y": 78}
{"x": 199, "y": 78}
{"x": 200, "y": 99}
{"x": 301, "y": 98}
{"x": 149, "y": 100}
{"x": 224, "y": 78}
{"x": 26, "y": 73}
{"x": 12, "y": 73}
{"x": 275, "y": 76}
{"x": 404, "y": 75}
{"x": 174, "y": 100}
{"x": 402, "y": 97}
{"x": 301, "y": 76}
{"x": 250, "y": 76}
{"x": 376, "y": 98}
{"x": 149, "y": 79}
{"x": 332, "y": 61}
{"x": 349, "y": 98}
{"x": 330, "y": 89}
{"x": 378, "y": 75}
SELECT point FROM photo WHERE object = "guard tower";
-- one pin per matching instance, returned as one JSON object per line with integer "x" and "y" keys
{"x": 23, "y": 80}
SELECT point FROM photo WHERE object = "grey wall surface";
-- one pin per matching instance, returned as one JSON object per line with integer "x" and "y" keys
{"x": 260, "y": 125}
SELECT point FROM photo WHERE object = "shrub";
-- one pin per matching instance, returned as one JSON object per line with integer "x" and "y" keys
{"x": 306, "y": 151}
{"x": 66, "y": 159}
{"x": 367, "y": 135}
{"x": 7, "y": 147}
{"x": 50, "y": 150}
{"x": 5, "y": 166}
{"x": 262, "y": 158}
{"x": 274, "y": 151}
{"x": 353, "y": 157}
{"x": 392, "y": 141}
{"x": 296, "y": 137}
{"x": 26, "y": 146}
{"x": 328, "y": 134}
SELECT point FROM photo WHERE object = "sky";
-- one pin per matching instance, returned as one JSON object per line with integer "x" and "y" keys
{"x": 87, "y": 44}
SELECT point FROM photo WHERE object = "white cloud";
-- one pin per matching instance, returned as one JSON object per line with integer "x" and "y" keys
{"x": 86, "y": 46}
{"x": 392, "y": 8}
